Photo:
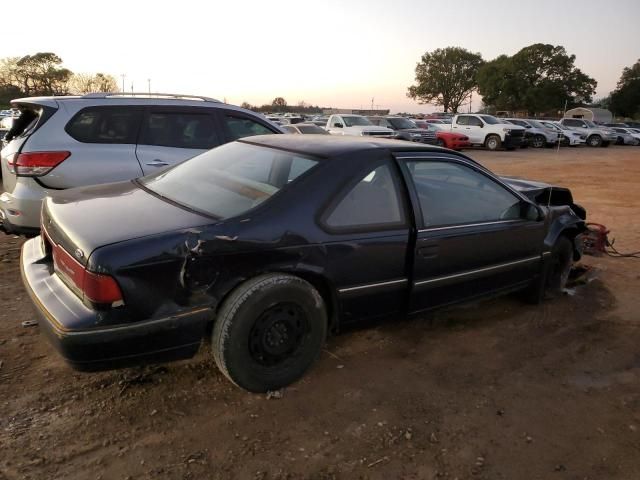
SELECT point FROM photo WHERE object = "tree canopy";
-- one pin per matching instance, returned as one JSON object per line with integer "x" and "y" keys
{"x": 625, "y": 99}
{"x": 445, "y": 77}
{"x": 42, "y": 74}
{"x": 538, "y": 78}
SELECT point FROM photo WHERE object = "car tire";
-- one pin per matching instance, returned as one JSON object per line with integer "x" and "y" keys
{"x": 492, "y": 142}
{"x": 269, "y": 331}
{"x": 620, "y": 141}
{"x": 441, "y": 143}
{"x": 538, "y": 141}
{"x": 594, "y": 141}
{"x": 554, "y": 278}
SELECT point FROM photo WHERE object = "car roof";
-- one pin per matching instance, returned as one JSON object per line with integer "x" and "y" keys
{"x": 327, "y": 146}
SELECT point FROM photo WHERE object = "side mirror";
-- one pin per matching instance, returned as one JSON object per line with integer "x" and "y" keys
{"x": 528, "y": 126}
{"x": 532, "y": 212}
{"x": 481, "y": 125}
{"x": 338, "y": 125}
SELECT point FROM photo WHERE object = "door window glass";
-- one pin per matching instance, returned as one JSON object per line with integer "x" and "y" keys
{"x": 462, "y": 120}
{"x": 453, "y": 194}
{"x": 240, "y": 127}
{"x": 373, "y": 201}
{"x": 105, "y": 125}
{"x": 474, "y": 122}
{"x": 179, "y": 130}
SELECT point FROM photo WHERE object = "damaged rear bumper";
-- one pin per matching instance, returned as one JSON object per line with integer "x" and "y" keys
{"x": 73, "y": 328}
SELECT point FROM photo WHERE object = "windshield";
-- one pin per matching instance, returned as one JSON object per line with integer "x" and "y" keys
{"x": 491, "y": 120}
{"x": 228, "y": 180}
{"x": 401, "y": 123}
{"x": 356, "y": 121}
{"x": 313, "y": 129}
{"x": 590, "y": 124}
{"x": 536, "y": 124}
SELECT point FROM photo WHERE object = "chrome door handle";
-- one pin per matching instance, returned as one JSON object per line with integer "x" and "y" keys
{"x": 157, "y": 163}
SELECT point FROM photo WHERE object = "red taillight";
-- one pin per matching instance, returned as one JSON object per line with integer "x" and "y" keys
{"x": 36, "y": 164}
{"x": 99, "y": 288}
{"x": 95, "y": 288}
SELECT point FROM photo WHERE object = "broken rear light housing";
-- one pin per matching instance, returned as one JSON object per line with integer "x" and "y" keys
{"x": 36, "y": 164}
{"x": 95, "y": 289}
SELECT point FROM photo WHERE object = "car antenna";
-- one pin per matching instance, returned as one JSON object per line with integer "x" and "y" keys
{"x": 564, "y": 112}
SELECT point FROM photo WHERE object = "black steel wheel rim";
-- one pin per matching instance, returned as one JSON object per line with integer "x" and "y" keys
{"x": 278, "y": 334}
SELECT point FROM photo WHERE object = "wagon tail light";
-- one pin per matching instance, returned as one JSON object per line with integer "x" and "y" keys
{"x": 36, "y": 164}
{"x": 94, "y": 288}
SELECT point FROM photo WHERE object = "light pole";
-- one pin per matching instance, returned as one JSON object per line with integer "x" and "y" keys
{"x": 123, "y": 75}
{"x": 149, "y": 85}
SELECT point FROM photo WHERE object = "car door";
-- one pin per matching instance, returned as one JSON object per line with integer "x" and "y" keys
{"x": 336, "y": 125}
{"x": 171, "y": 135}
{"x": 475, "y": 236}
{"x": 367, "y": 239}
{"x": 470, "y": 126}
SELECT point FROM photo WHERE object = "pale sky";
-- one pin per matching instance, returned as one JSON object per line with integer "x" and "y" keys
{"x": 329, "y": 53}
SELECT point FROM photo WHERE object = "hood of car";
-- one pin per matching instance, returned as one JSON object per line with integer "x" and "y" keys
{"x": 83, "y": 219}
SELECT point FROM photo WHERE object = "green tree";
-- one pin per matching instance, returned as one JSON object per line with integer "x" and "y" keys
{"x": 279, "y": 104}
{"x": 538, "y": 78}
{"x": 42, "y": 74}
{"x": 625, "y": 99}
{"x": 445, "y": 77}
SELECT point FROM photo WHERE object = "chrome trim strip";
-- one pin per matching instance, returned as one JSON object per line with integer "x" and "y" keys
{"x": 545, "y": 254}
{"x": 434, "y": 229}
{"x": 479, "y": 270}
{"x": 372, "y": 285}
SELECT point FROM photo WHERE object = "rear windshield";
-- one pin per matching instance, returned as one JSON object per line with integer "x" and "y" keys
{"x": 229, "y": 180}
{"x": 23, "y": 124}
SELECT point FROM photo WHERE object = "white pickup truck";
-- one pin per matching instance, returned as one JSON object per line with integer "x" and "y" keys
{"x": 344, "y": 124}
{"x": 488, "y": 131}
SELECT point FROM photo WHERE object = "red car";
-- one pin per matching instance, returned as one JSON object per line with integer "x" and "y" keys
{"x": 454, "y": 141}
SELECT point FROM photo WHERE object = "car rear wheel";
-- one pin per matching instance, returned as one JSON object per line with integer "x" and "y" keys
{"x": 538, "y": 141}
{"x": 594, "y": 141}
{"x": 492, "y": 142}
{"x": 269, "y": 331}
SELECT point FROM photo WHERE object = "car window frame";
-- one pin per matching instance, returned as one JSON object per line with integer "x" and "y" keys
{"x": 171, "y": 109}
{"x": 343, "y": 190}
{"x": 404, "y": 157}
{"x": 136, "y": 108}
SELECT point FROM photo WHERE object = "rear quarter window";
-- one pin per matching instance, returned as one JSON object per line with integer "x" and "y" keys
{"x": 105, "y": 125}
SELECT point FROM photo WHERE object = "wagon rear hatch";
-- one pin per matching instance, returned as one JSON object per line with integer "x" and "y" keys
{"x": 34, "y": 112}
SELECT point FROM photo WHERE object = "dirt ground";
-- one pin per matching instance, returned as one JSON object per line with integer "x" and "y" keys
{"x": 496, "y": 390}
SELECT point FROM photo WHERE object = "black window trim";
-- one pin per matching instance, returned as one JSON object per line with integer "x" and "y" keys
{"x": 338, "y": 195}
{"x": 404, "y": 157}
{"x": 137, "y": 108}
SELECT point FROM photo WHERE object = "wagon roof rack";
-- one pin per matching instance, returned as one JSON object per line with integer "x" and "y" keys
{"x": 172, "y": 96}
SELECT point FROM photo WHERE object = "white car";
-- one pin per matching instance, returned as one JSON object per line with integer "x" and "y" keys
{"x": 626, "y": 136}
{"x": 358, "y": 125}
{"x": 567, "y": 136}
{"x": 597, "y": 136}
{"x": 488, "y": 131}
{"x": 538, "y": 135}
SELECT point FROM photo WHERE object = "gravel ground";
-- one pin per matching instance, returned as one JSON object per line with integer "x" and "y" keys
{"x": 496, "y": 390}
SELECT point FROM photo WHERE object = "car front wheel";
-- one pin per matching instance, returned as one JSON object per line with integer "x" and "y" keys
{"x": 594, "y": 141}
{"x": 538, "y": 141}
{"x": 269, "y": 331}
{"x": 492, "y": 142}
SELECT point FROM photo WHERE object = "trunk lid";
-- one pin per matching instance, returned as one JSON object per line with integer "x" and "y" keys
{"x": 83, "y": 219}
